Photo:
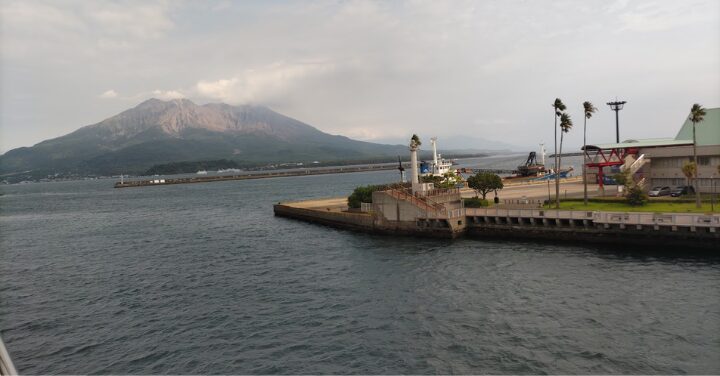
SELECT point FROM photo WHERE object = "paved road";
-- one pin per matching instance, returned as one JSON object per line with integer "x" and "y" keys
{"x": 540, "y": 191}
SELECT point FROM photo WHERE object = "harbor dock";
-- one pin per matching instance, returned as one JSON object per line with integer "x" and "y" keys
{"x": 442, "y": 214}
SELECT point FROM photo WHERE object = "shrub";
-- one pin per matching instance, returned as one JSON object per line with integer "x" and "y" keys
{"x": 636, "y": 196}
{"x": 361, "y": 194}
{"x": 364, "y": 193}
{"x": 623, "y": 178}
{"x": 448, "y": 180}
{"x": 436, "y": 180}
{"x": 475, "y": 202}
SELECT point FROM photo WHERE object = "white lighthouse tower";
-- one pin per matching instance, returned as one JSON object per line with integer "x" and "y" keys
{"x": 414, "y": 146}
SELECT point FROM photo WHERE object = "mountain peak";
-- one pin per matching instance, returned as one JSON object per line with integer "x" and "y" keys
{"x": 176, "y": 117}
{"x": 160, "y": 102}
{"x": 160, "y": 131}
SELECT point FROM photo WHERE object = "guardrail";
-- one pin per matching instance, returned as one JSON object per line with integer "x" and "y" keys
{"x": 416, "y": 200}
{"x": 627, "y": 218}
{"x": 672, "y": 219}
{"x": 433, "y": 192}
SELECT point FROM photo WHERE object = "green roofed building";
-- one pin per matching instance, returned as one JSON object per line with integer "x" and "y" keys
{"x": 664, "y": 157}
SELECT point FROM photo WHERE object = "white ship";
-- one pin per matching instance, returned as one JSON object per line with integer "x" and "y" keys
{"x": 439, "y": 166}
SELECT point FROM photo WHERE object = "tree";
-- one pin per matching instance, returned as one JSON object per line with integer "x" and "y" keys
{"x": 689, "y": 169}
{"x": 558, "y": 108}
{"x": 485, "y": 182}
{"x": 565, "y": 126}
{"x": 634, "y": 195}
{"x": 436, "y": 180}
{"x": 415, "y": 141}
{"x": 448, "y": 180}
{"x": 697, "y": 114}
{"x": 451, "y": 179}
{"x": 622, "y": 178}
{"x": 360, "y": 195}
{"x": 588, "y": 109}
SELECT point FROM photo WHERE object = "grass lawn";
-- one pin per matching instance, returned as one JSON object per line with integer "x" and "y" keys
{"x": 653, "y": 207}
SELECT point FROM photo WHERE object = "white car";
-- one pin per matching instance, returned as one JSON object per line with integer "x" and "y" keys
{"x": 659, "y": 191}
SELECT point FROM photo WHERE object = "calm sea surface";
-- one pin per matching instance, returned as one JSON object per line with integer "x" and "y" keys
{"x": 204, "y": 279}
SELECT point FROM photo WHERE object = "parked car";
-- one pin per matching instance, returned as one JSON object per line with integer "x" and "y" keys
{"x": 682, "y": 190}
{"x": 659, "y": 191}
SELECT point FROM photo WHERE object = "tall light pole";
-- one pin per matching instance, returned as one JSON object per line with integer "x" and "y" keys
{"x": 712, "y": 195}
{"x": 617, "y": 106}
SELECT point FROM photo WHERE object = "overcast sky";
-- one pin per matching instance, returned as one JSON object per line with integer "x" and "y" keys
{"x": 367, "y": 70}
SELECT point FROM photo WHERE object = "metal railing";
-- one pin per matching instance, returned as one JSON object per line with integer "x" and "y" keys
{"x": 632, "y": 218}
{"x": 435, "y": 192}
{"x": 672, "y": 219}
{"x": 6, "y": 364}
{"x": 419, "y": 201}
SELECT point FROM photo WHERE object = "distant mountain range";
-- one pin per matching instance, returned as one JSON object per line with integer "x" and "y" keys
{"x": 157, "y": 132}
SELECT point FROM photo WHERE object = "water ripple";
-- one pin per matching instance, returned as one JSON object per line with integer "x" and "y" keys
{"x": 203, "y": 279}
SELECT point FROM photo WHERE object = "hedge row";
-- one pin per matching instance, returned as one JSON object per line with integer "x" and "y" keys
{"x": 364, "y": 193}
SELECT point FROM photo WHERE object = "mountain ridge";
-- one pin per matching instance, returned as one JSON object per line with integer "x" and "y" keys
{"x": 157, "y": 131}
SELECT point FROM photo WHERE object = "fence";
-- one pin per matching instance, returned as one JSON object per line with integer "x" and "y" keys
{"x": 672, "y": 219}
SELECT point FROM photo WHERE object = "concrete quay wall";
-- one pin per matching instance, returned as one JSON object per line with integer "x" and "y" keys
{"x": 640, "y": 229}
{"x": 364, "y": 222}
{"x": 643, "y": 237}
{"x": 354, "y": 221}
{"x": 644, "y": 230}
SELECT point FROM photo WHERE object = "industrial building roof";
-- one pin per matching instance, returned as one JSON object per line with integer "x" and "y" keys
{"x": 652, "y": 142}
{"x": 707, "y": 132}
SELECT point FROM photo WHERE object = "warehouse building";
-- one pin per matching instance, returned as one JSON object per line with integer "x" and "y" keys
{"x": 662, "y": 159}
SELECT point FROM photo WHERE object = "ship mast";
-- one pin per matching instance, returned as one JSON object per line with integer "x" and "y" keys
{"x": 436, "y": 167}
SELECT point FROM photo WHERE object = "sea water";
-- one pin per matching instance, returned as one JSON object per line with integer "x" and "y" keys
{"x": 202, "y": 278}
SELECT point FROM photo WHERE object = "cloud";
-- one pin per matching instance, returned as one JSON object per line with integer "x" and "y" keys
{"x": 58, "y": 29}
{"x": 220, "y": 89}
{"x": 167, "y": 94}
{"x": 109, "y": 94}
{"x": 361, "y": 68}
{"x": 263, "y": 84}
{"x": 659, "y": 16}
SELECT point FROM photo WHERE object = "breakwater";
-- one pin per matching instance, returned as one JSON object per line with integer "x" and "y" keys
{"x": 391, "y": 214}
{"x": 261, "y": 175}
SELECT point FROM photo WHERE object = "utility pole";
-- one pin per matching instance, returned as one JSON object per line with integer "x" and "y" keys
{"x": 402, "y": 170}
{"x": 617, "y": 106}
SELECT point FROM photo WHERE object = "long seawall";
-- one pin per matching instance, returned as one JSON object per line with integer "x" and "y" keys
{"x": 262, "y": 175}
{"x": 665, "y": 230}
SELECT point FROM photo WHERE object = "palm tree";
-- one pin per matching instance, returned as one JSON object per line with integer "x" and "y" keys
{"x": 565, "y": 126}
{"x": 558, "y": 108}
{"x": 589, "y": 109}
{"x": 415, "y": 141}
{"x": 697, "y": 114}
{"x": 688, "y": 169}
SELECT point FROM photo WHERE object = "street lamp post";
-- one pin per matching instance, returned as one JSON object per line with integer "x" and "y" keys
{"x": 712, "y": 195}
{"x": 617, "y": 106}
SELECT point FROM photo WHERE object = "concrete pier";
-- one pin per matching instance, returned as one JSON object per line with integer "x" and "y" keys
{"x": 440, "y": 214}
